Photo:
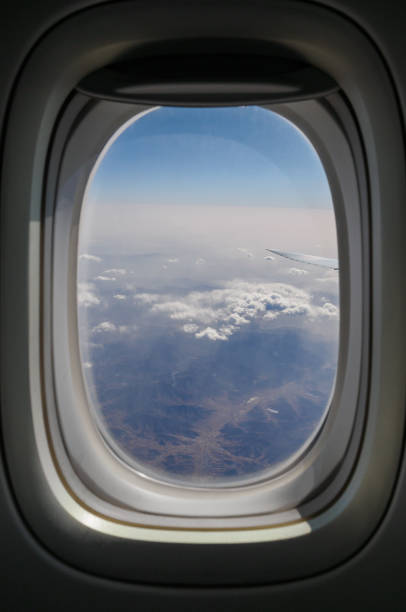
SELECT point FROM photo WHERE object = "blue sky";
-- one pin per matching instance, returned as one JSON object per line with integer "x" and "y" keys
{"x": 215, "y": 156}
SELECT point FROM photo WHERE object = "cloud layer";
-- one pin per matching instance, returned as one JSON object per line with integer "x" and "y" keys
{"x": 218, "y": 313}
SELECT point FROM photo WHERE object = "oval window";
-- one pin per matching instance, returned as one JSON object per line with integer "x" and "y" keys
{"x": 208, "y": 294}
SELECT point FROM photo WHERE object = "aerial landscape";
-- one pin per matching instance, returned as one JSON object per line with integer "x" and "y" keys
{"x": 208, "y": 361}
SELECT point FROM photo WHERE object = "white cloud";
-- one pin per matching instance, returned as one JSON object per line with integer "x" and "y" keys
{"x": 86, "y": 295}
{"x": 120, "y": 296}
{"x": 90, "y": 257}
{"x": 147, "y": 298}
{"x": 105, "y": 278}
{"x": 218, "y": 313}
{"x": 172, "y": 260}
{"x": 105, "y": 326}
{"x": 190, "y": 328}
{"x": 297, "y": 272}
{"x": 116, "y": 271}
{"x": 112, "y": 329}
{"x": 200, "y": 261}
{"x": 328, "y": 309}
{"x": 87, "y": 365}
{"x": 211, "y": 334}
{"x": 245, "y": 252}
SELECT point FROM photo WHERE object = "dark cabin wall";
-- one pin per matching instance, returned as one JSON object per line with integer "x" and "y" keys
{"x": 32, "y": 579}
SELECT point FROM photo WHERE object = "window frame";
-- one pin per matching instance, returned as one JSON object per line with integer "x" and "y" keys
{"x": 115, "y": 488}
{"x": 50, "y": 508}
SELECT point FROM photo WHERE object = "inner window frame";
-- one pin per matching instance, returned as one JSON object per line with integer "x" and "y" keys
{"x": 110, "y": 486}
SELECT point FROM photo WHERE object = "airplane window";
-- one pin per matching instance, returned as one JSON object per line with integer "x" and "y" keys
{"x": 207, "y": 293}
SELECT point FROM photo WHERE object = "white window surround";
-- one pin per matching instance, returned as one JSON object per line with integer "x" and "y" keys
{"x": 374, "y": 471}
{"x": 121, "y": 491}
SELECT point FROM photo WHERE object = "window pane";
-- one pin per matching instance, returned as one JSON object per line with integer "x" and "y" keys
{"x": 208, "y": 360}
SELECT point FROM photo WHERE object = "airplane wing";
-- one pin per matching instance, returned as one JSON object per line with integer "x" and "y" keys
{"x": 324, "y": 262}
